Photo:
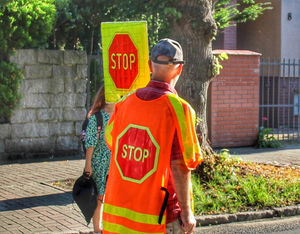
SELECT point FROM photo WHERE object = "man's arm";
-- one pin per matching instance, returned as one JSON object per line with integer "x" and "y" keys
{"x": 182, "y": 181}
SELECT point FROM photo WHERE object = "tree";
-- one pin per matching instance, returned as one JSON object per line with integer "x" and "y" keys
{"x": 77, "y": 24}
{"x": 227, "y": 13}
{"x": 195, "y": 29}
{"x": 93, "y": 12}
{"x": 151, "y": 11}
{"x": 25, "y": 25}
{"x": 66, "y": 21}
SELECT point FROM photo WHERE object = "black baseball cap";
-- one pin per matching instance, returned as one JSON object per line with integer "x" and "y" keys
{"x": 169, "y": 48}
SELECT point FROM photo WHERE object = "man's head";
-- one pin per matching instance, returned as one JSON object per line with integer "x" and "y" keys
{"x": 170, "y": 48}
{"x": 166, "y": 61}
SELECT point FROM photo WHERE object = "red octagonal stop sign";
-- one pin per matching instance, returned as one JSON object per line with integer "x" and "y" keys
{"x": 137, "y": 153}
{"x": 123, "y": 61}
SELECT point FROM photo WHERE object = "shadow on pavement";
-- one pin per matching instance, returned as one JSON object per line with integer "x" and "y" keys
{"x": 41, "y": 159}
{"x": 60, "y": 199}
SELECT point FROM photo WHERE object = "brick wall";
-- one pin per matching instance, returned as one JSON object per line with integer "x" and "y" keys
{"x": 230, "y": 33}
{"x": 234, "y": 101}
{"x": 230, "y": 38}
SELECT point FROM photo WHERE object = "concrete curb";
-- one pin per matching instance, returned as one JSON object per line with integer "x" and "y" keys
{"x": 207, "y": 220}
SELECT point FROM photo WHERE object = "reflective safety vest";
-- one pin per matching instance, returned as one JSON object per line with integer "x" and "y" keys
{"x": 140, "y": 135}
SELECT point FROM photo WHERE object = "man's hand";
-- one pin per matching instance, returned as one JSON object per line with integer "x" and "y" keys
{"x": 188, "y": 222}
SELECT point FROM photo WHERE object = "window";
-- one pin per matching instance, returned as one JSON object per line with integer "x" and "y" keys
{"x": 296, "y": 104}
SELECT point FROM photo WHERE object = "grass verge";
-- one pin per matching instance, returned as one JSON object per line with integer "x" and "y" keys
{"x": 224, "y": 184}
{"x": 228, "y": 185}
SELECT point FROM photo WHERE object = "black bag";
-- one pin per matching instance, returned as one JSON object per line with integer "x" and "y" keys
{"x": 85, "y": 124}
{"x": 85, "y": 195}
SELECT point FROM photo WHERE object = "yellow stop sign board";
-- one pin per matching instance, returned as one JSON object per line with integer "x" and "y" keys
{"x": 125, "y": 58}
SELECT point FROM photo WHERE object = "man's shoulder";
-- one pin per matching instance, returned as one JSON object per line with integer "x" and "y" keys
{"x": 176, "y": 99}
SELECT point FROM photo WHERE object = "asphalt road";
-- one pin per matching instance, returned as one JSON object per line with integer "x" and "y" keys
{"x": 288, "y": 225}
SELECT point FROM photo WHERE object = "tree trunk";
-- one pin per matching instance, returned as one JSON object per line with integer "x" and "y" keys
{"x": 194, "y": 31}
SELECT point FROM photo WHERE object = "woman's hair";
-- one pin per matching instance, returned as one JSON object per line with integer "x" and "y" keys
{"x": 99, "y": 102}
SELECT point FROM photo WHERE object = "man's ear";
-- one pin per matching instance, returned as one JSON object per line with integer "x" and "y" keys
{"x": 150, "y": 65}
{"x": 179, "y": 69}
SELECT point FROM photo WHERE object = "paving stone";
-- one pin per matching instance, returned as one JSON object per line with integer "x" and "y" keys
{"x": 3, "y": 230}
{"x": 26, "y": 200}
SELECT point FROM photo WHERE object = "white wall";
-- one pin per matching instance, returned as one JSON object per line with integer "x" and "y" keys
{"x": 290, "y": 30}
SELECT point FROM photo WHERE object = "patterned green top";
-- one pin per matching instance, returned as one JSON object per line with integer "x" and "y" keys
{"x": 101, "y": 154}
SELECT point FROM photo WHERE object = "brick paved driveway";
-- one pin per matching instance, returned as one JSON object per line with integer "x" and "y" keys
{"x": 28, "y": 204}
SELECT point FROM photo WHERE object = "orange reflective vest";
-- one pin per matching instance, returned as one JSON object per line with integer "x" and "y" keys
{"x": 140, "y": 135}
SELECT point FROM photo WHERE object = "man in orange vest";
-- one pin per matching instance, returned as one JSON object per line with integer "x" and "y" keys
{"x": 154, "y": 148}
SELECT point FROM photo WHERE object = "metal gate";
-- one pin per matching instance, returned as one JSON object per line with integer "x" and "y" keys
{"x": 279, "y": 101}
{"x": 94, "y": 78}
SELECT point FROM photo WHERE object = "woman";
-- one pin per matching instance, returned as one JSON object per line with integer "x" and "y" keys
{"x": 97, "y": 153}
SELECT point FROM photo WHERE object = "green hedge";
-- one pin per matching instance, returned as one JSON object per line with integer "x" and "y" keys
{"x": 10, "y": 80}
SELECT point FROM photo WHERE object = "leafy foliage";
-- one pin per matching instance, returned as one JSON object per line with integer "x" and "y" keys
{"x": 213, "y": 162}
{"x": 235, "y": 186}
{"x": 266, "y": 140}
{"x": 25, "y": 24}
{"x": 216, "y": 64}
{"x": 155, "y": 12}
{"x": 90, "y": 14}
{"x": 77, "y": 22}
{"x": 65, "y": 23}
{"x": 10, "y": 80}
{"x": 226, "y": 13}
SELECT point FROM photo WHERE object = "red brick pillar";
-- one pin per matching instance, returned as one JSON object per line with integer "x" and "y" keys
{"x": 234, "y": 100}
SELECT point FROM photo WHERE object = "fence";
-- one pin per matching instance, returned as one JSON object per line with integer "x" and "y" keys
{"x": 279, "y": 103}
{"x": 94, "y": 77}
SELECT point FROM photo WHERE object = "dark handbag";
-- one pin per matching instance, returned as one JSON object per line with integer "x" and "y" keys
{"x": 85, "y": 195}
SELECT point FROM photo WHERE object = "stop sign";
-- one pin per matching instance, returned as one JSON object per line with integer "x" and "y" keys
{"x": 123, "y": 61}
{"x": 137, "y": 153}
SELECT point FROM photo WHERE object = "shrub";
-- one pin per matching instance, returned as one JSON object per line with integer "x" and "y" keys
{"x": 10, "y": 80}
{"x": 265, "y": 138}
{"x": 232, "y": 185}
{"x": 25, "y": 24}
